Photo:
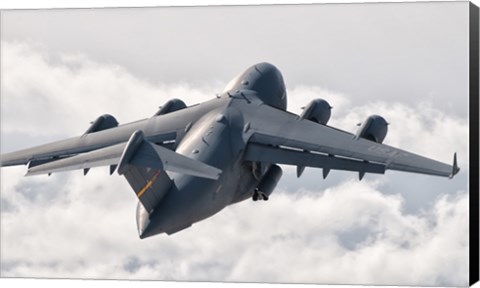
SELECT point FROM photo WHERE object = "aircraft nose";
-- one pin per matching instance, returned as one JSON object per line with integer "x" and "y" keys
{"x": 270, "y": 85}
{"x": 266, "y": 68}
{"x": 266, "y": 80}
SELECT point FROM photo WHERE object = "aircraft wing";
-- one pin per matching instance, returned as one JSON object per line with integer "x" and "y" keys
{"x": 101, "y": 157}
{"x": 136, "y": 152}
{"x": 276, "y": 136}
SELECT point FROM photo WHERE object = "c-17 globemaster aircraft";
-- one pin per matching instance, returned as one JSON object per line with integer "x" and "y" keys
{"x": 186, "y": 164}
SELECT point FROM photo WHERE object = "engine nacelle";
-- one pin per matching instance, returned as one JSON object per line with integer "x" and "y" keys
{"x": 317, "y": 110}
{"x": 375, "y": 129}
{"x": 268, "y": 183}
{"x": 103, "y": 122}
{"x": 171, "y": 106}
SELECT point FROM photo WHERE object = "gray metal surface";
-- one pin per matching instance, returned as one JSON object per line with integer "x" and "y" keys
{"x": 186, "y": 164}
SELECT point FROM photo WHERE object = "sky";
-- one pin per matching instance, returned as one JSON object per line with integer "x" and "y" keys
{"x": 406, "y": 61}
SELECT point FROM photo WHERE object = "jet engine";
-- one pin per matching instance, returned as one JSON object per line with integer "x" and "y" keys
{"x": 103, "y": 122}
{"x": 317, "y": 110}
{"x": 375, "y": 129}
{"x": 268, "y": 183}
{"x": 171, "y": 106}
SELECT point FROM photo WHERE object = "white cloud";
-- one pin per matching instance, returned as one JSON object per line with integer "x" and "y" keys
{"x": 93, "y": 236}
{"x": 68, "y": 225}
{"x": 301, "y": 95}
{"x": 68, "y": 91}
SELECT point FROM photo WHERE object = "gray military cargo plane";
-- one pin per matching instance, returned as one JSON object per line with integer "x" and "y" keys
{"x": 186, "y": 164}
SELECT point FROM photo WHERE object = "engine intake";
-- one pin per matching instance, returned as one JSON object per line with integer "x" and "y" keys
{"x": 375, "y": 129}
{"x": 318, "y": 111}
{"x": 103, "y": 122}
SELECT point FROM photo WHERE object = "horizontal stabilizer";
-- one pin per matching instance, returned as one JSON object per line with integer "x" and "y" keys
{"x": 155, "y": 156}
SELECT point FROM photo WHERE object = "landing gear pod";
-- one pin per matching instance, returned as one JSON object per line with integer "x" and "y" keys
{"x": 268, "y": 183}
{"x": 375, "y": 129}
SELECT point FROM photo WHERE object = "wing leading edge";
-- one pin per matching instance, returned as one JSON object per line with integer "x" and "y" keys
{"x": 277, "y": 136}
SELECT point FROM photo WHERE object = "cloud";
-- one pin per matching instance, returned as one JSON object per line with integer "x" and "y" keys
{"x": 336, "y": 231}
{"x": 301, "y": 95}
{"x": 395, "y": 248}
{"x": 93, "y": 236}
{"x": 69, "y": 91}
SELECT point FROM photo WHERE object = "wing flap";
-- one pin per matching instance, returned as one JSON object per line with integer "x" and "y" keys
{"x": 100, "y": 157}
{"x": 256, "y": 152}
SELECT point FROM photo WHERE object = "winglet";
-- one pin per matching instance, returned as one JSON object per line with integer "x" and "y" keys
{"x": 455, "y": 167}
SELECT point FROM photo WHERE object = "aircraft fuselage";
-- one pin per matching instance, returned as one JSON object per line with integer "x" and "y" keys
{"x": 213, "y": 138}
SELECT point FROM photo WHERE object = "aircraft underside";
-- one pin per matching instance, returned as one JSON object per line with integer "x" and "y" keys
{"x": 187, "y": 163}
